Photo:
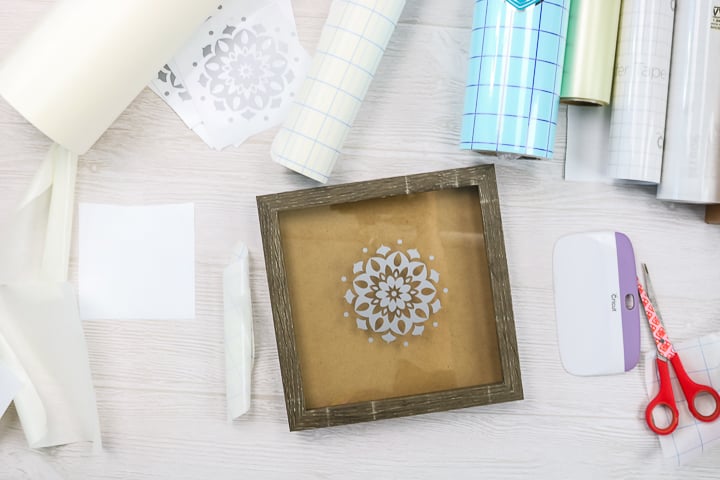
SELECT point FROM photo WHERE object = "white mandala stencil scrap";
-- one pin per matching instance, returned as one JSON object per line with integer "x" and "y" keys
{"x": 393, "y": 293}
{"x": 239, "y": 73}
{"x": 171, "y": 89}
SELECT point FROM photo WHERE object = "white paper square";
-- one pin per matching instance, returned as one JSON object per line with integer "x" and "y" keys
{"x": 137, "y": 262}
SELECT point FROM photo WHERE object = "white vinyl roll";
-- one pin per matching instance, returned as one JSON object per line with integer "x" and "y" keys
{"x": 691, "y": 161}
{"x": 86, "y": 60}
{"x": 640, "y": 90}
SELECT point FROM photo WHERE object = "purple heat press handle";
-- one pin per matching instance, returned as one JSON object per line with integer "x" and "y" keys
{"x": 628, "y": 298}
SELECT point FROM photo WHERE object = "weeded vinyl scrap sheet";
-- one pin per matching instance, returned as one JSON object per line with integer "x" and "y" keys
{"x": 691, "y": 161}
{"x": 640, "y": 90}
{"x": 514, "y": 79}
{"x": 351, "y": 47}
{"x": 238, "y": 74}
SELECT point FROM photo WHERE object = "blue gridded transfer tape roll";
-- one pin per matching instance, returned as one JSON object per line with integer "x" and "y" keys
{"x": 516, "y": 64}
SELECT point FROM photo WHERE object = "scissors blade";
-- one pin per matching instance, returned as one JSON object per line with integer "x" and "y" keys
{"x": 650, "y": 291}
{"x": 664, "y": 347}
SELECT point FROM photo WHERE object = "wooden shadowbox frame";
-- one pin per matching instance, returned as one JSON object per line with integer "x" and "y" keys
{"x": 299, "y": 416}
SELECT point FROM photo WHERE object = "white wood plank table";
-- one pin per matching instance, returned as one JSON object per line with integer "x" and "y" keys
{"x": 160, "y": 385}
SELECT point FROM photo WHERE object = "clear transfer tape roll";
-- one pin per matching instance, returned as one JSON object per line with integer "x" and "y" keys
{"x": 691, "y": 161}
{"x": 590, "y": 54}
{"x": 640, "y": 90}
{"x": 87, "y": 60}
{"x": 352, "y": 44}
{"x": 513, "y": 88}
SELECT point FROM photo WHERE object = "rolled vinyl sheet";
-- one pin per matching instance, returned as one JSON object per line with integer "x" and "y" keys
{"x": 86, "y": 60}
{"x": 352, "y": 44}
{"x": 590, "y": 54}
{"x": 513, "y": 87}
{"x": 640, "y": 90}
{"x": 691, "y": 161}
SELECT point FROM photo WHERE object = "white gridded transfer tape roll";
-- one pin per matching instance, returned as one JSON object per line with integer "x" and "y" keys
{"x": 352, "y": 44}
{"x": 640, "y": 90}
{"x": 86, "y": 60}
{"x": 691, "y": 162}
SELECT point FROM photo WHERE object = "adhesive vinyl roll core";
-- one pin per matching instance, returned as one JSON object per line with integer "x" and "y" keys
{"x": 691, "y": 160}
{"x": 590, "y": 53}
{"x": 513, "y": 89}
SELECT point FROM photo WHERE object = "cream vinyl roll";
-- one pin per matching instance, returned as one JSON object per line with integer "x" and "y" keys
{"x": 691, "y": 161}
{"x": 86, "y": 60}
{"x": 640, "y": 90}
{"x": 590, "y": 52}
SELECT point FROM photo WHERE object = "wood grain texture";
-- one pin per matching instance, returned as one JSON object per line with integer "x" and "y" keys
{"x": 300, "y": 417}
{"x": 160, "y": 385}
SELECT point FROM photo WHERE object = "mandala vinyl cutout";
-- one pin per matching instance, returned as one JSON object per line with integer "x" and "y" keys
{"x": 247, "y": 70}
{"x": 394, "y": 293}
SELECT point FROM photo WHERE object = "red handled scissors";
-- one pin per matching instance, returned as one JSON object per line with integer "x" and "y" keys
{"x": 666, "y": 353}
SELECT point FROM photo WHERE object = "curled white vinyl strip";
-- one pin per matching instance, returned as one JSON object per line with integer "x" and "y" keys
{"x": 41, "y": 336}
{"x": 239, "y": 342}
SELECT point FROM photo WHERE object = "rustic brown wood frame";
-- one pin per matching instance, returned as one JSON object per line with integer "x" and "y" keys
{"x": 301, "y": 418}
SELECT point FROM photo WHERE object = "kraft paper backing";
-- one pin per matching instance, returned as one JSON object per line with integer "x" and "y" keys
{"x": 338, "y": 363}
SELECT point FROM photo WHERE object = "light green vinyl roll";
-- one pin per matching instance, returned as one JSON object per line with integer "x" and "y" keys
{"x": 590, "y": 52}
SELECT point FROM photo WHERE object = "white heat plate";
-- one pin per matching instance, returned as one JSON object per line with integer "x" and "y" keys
{"x": 352, "y": 44}
{"x": 238, "y": 74}
{"x": 640, "y": 90}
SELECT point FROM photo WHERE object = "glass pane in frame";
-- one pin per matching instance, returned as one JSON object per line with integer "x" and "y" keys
{"x": 390, "y": 297}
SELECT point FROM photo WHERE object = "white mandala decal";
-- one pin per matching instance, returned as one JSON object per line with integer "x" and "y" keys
{"x": 393, "y": 293}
